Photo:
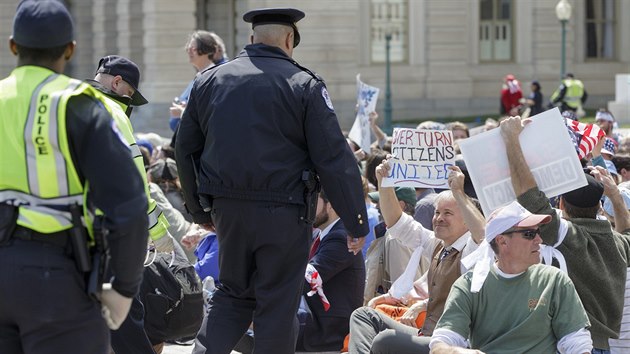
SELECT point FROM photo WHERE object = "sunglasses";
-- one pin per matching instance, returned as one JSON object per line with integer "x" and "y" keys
{"x": 528, "y": 234}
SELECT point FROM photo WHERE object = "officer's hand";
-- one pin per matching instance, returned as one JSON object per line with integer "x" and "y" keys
{"x": 114, "y": 307}
{"x": 355, "y": 244}
{"x": 164, "y": 244}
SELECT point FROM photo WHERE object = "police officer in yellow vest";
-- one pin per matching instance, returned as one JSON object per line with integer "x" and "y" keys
{"x": 571, "y": 94}
{"x": 118, "y": 78}
{"x": 59, "y": 151}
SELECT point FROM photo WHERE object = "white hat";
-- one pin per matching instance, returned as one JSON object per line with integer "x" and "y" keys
{"x": 500, "y": 221}
{"x": 510, "y": 216}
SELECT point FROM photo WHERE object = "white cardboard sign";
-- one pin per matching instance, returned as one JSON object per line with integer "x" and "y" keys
{"x": 549, "y": 153}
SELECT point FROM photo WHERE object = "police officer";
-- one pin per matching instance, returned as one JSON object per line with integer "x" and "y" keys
{"x": 59, "y": 154}
{"x": 571, "y": 94}
{"x": 256, "y": 135}
{"x": 118, "y": 78}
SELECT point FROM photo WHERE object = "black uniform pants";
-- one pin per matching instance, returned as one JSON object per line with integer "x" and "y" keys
{"x": 43, "y": 304}
{"x": 263, "y": 251}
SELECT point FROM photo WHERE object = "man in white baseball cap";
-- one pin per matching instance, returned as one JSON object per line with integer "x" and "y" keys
{"x": 513, "y": 304}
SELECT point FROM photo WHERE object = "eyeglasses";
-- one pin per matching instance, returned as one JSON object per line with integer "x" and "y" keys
{"x": 528, "y": 234}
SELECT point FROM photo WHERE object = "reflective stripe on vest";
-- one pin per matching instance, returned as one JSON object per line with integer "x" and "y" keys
{"x": 158, "y": 224}
{"x": 44, "y": 181}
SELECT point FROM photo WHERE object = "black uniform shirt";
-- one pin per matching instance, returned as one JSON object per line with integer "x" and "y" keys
{"x": 253, "y": 125}
{"x": 115, "y": 186}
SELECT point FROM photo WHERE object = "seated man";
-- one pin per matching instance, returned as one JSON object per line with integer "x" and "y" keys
{"x": 373, "y": 332}
{"x": 513, "y": 305}
{"x": 325, "y": 323}
{"x": 596, "y": 256}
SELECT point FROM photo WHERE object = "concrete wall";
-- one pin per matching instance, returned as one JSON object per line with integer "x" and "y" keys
{"x": 442, "y": 76}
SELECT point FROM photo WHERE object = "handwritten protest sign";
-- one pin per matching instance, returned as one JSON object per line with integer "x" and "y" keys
{"x": 549, "y": 153}
{"x": 422, "y": 158}
{"x": 366, "y": 103}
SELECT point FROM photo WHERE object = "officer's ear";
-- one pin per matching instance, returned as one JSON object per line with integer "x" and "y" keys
{"x": 13, "y": 46}
{"x": 69, "y": 52}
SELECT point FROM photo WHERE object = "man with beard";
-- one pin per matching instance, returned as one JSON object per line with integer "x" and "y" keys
{"x": 342, "y": 273}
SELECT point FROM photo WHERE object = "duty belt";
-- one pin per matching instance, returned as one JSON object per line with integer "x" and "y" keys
{"x": 59, "y": 239}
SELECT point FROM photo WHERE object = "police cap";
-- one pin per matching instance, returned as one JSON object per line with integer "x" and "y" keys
{"x": 42, "y": 24}
{"x": 116, "y": 65}
{"x": 283, "y": 16}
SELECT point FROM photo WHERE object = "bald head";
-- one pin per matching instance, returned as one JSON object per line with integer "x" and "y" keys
{"x": 276, "y": 35}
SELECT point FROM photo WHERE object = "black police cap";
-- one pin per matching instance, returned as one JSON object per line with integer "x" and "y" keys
{"x": 116, "y": 65}
{"x": 42, "y": 24}
{"x": 283, "y": 16}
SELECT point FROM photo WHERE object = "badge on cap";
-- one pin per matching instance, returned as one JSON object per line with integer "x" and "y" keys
{"x": 327, "y": 98}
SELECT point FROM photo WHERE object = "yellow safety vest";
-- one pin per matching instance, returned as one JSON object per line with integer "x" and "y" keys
{"x": 158, "y": 224}
{"x": 573, "y": 95}
{"x": 37, "y": 172}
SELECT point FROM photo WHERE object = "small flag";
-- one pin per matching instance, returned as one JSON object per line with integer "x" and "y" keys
{"x": 585, "y": 136}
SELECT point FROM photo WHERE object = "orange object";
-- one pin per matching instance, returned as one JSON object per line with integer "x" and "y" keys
{"x": 395, "y": 312}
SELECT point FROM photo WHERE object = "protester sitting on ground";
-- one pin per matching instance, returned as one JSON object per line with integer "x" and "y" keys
{"x": 395, "y": 255}
{"x": 624, "y": 145}
{"x": 163, "y": 172}
{"x": 513, "y": 305}
{"x": 596, "y": 256}
{"x": 373, "y": 332}
{"x": 607, "y": 123}
{"x": 381, "y": 137}
{"x": 622, "y": 165}
{"x": 324, "y": 323}
{"x": 375, "y": 159}
{"x": 460, "y": 131}
{"x": 373, "y": 214}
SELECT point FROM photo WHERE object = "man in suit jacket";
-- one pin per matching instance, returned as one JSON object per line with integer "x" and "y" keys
{"x": 343, "y": 280}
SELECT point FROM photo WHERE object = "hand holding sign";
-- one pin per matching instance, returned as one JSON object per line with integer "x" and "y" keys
{"x": 382, "y": 170}
{"x": 422, "y": 158}
{"x": 456, "y": 179}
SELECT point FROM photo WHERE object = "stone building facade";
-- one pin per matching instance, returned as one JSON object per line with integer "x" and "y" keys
{"x": 448, "y": 57}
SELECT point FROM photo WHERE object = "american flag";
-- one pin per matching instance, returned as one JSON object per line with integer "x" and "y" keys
{"x": 585, "y": 136}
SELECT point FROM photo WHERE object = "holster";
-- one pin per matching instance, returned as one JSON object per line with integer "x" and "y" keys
{"x": 311, "y": 192}
{"x": 8, "y": 222}
{"x": 79, "y": 240}
{"x": 100, "y": 260}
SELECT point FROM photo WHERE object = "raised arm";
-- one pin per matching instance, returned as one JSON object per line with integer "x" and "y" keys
{"x": 473, "y": 218}
{"x": 622, "y": 216}
{"x": 389, "y": 206}
{"x": 522, "y": 178}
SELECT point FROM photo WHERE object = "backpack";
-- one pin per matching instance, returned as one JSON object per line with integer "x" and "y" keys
{"x": 172, "y": 295}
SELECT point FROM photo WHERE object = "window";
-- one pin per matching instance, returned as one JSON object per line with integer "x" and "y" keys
{"x": 495, "y": 30}
{"x": 389, "y": 16}
{"x": 600, "y": 29}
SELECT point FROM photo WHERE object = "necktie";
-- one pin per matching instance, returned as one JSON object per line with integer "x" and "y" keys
{"x": 314, "y": 248}
{"x": 444, "y": 254}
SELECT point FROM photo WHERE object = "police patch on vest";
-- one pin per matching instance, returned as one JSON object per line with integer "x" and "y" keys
{"x": 119, "y": 135}
{"x": 327, "y": 98}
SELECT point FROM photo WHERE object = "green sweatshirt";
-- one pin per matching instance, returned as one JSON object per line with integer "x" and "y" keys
{"x": 597, "y": 258}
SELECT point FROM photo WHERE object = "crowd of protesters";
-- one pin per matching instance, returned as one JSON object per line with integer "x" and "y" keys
{"x": 425, "y": 234}
{"x": 432, "y": 275}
